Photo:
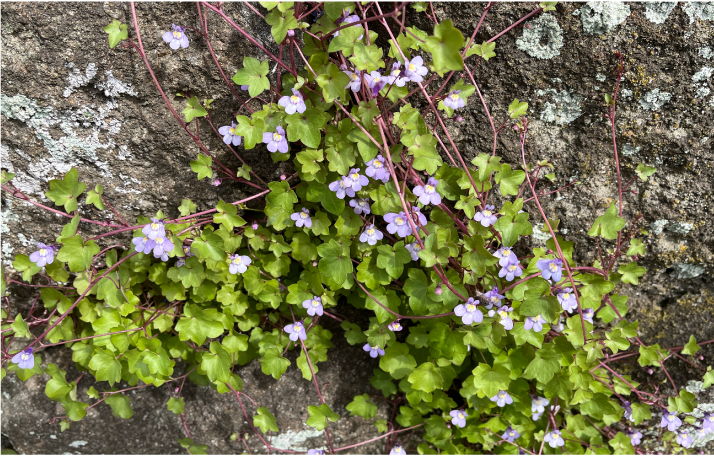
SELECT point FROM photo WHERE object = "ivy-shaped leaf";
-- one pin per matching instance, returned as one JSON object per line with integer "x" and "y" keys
{"x": 445, "y": 48}
{"x": 254, "y": 74}
{"x": 608, "y": 224}
{"x": 193, "y": 109}
{"x": 117, "y": 32}
{"x": 95, "y": 197}
{"x": 65, "y": 192}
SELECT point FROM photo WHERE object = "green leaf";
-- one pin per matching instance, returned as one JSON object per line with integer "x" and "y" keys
{"x": 508, "y": 180}
{"x": 397, "y": 361}
{"x": 65, "y": 192}
{"x": 690, "y": 349}
{"x": 320, "y": 415}
{"x": 333, "y": 81}
{"x": 548, "y": 307}
{"x": 121, "y": 405}
{"x": 393, "y": 259}
{"x": 193, "y": 448}
{"x": 265, "y": 420}
{"x": 272, "y": 363}
{"x": 202, "y": 166}
{"x": 117, "y": 32}
{"x": 484, "y": 50}
{"x": 217, "y": 364}
{"x": 176, "y": 405}
{"x": 383, "y": 382}
{"x": 544, "y": 365}
{"x": 608, "y": 224}
{"x": 631, "y": 273}
{"x": 487, "y": 164}
{"x": 490, "y": 380}
{"x": 346, "y": 41}
{"x": 193, "y": 109}
{"x": 637, "y": 247}
{"x": 95, "y": 197}
{"x": 254, "y": 74}
{"x": 643, "y": 172}
{"x": 6, "y": 176}
{"x": 476, "y": 257}
{"x": 511, "y": 225}
{"x": 517, "y": 108}
{"x": 445, "y": 48}
{"x": 227, "y": 216}
{"x": 77, "y": 253}
{"x": 362, "y": 406}
{"x": 306, "y": 127}
{"x": 334, "y": 10}
{"x": 279, "y": 205}
{"x": 106, "y": 366}
{"x": 199, "y": 325}
{"x": 417, "y": 287}
{"x": 20, "y": 328}
{"x": 650, "y": 356}
{"x": 426, "y": 158}
{"x": 23, "y": 264}
{"x": 334, "y": 262}
{"x": 708, "y": 378}
{"x": 209, "y": 245}
{"x": 427, "y": 378}
{"x": 367, "y": 58}
{"x": 281, "y": 22}
{"x": 251, "y": 130}
{"x": 550, "y": 6}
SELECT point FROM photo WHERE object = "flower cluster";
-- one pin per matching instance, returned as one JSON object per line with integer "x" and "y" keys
{"x": 154, "y": 239}
{"x": 414, "y": 71}
{"x": 510, "y": 266}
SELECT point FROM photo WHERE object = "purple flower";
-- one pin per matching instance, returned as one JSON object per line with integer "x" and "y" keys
{"x": 559, "y": 326}
{"x": 276, "y": 141}
{"x": 469, "y": 313}
{"x": 398, "y": 450}
{"x": 361, "y": 206}
{"x": 355, "y": 80}
{"x": 588, "y": 315}
{"x": 143, "y": 244}
{"x": 239, "y": 263}
{"x": 505, "y": 319}
{"x": 341, "y": 189}
{"x": 371, "y": 235}
{"x": 376, "y": 170}
{"x": 355, "y": 180}
{"x": 302, "y": 218}
{"x": 398, "y": 223}
{"x": 414, "y": 250}
{"x": 510, "y": 434}
{"x": 453, "y": 100}
{"x": 244, "y": 87}
{"x": 554, "y": 439}
{"x": 536, "y": 416}
{"x": 502, "y": 398}
{"x": 176, "y": 38}
{"x": 494, "y": 299}
{"x": 396, "y": 76}
{"x": 567, "y": 300}
{"x": 373, "y": 351}
{"x": 415, "y": 69}
{"x": 534, "y": 323}
{"x": 296, "y": 330}
{"x": 418, "y": 217}
{"x": 315, "y": 451}
{"x": 685, "y": 439}
{"x": 350, "y": 20}
{"x": 538, "y": 404}
{"x": 628, "y": 411}
{"x": 511, "y": 271}
{"x": 376, "y": 82}
{"x": 395, "y": 326}
{"x": 552, "y": 269}
{"x": 293, "y": 103}
{"x": 154, "y": 229}
{"x": 46, "y": 255}
{"x": 506, "y": 256}
{"x": 458, "y": 418}
{"x": 162, "y": 248}
{"x": 708, "y": 422}
{"x": 635, "y": 437}
{"x": 487, "y": 218}
{"x": 427, "y": 193}
{"x": 670, "y": 421}
{"x": 313, "y": 306}
{"x": 229, "y": 134}
{"x": 24, "y": 359}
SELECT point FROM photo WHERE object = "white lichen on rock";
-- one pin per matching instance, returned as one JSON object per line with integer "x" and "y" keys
{"x": 600, "y": 77}
{"x": 601, "y": 17}
{"x": 629, "y": 149}
{"x": 658, "y": 12}
{"x": 77, "y": 79}
{"x": 658, "y": 225}
{"x": 294, "y": 441}
{"x": 688, "y": 271}
{"x": 702, "y": 75}
{"x": 565, "y": 109}
{"x": 654, "y": 100}
{"x": 113, "y": 87}
{"x": 544, "y": 28}
{"x": 704, "y": 11}
{"x": 680, "y": 228}
{"x": 706, "y": 52}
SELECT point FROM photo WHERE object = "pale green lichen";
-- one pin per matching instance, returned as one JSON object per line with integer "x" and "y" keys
{"x": 702, "y": 75}
{"x": 703, "y": 11}
{"x": 658, "y": 12}
{"x": 680, "y": 228}
{"x": 654, "y": 100}
{"x": 565, "y": 109}
{"x": 543, "y": 29}
{"x": 658, "y": 225}
{"x": 294, "y": 441}
{"x": 601, "y": 17}
{"x": 600, "y": 77}
{"x": 629, "y": 149}
{"x": 688, "y": 271}
{"x": 706, "y": 52}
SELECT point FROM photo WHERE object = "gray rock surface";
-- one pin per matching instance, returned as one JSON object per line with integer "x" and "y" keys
{"x": 68, "y": 100}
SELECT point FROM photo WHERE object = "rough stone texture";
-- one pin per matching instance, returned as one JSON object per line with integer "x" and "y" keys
{"x": 67, "y": 100}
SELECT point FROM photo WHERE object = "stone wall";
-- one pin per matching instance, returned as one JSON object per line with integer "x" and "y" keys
{"x": 69, "y": 101}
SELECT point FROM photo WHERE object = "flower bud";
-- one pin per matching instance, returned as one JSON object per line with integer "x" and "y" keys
{"x": 314, "y": 263}
{"x": 438, "y": 290}
{"x": 217, "y": 182}
{"x": 254, "y": 225}
{"x": 283, "y": 177}
{"x": 291, "y": 32}
{"x": 459, "y": 119}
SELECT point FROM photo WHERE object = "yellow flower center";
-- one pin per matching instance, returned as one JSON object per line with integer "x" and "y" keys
{"x": 25, "y": 356}
{"x": 684, "y": 436}
{"x": 370, "y": 232}
{"x": 231, "y": 131}
{"x": 553, "y": 267}
{"x": 303, "y": 215}
{"x": 505, "y": 252}
{"x": 154, "y": 226}
{"x": 177, "y": 35}
{"x": 501, "y": 395}
{"x": 487, "y": 213}
{"x": 399, "y": 221}
{"x": 159, "y": 240}
{"x": 354, "y": 76}
{"x": 376, "y": 79}
{"x": 43, "y": 252}
{"x": 511, "y": 267}
{"x": 538, "y": 402}
{"x": 429, "y": 188}
{"x": 377, "y": 164}
{"x": 277, "y": 137}
{"x": 295, "y": 99}
{"x": 455, "y": 96}
{"x": 536, "y": 318}
{"x": 237, "y": 260}
{"x": 512, "y": 433}
{"x": 145, "y": 239}
{"x": 355, "y": 176}
{"x": 461, "y": 415}
{"x": 566, "y": 295}
{"x": 315, "y": 303}
{"x": 470, "y": 308}
{"x": 362, "y": 203}
{"x": 411, "y": 67}
{"x": 503, "y": 314}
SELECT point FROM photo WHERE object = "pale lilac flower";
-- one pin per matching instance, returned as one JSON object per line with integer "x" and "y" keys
{"x": 46, "y": 255}
{"x": 628, "y": 411}
{"x": 230, "y": 135}
{"x": 355, "y": 80}
{"x": 502, "y": 398}
{"x": 559, "y": 326}
{"x": 315, "y": 451}
{"x": 162, "y": 248}
{"x": 414, "y": 250}
{"x": 708, "y": 422}
{"x": 494, "y": 299}
{"x": 355, "y": 180}
{"x": 395, "y": 326}
{"x": 349, "y": 20}
{"x": 670, "y": 421}
{"x": 567, "y": 300}
{"x": 454, "y": 101}
{"x": 396, "y": 76}
{"x": 296, "y": 330}
{"x": 302, "y": 218}
{"x": 469, "y": 313}
{"x": 375, "y": 81}
{"x": 635, "y": 437}
{"x": 373, "y": 351}
{"x": 458, "y": 418}
{"x": 398, "y": 223}
{"x": 418, "y": 217}
{"x": 415, "y": 69}
{"x": 341, "y": 189}
{"x": 506, "y": 256}
{"x": 154, "y": 229}
{"x": 176, "y": 38}
{"x": 554, "y": 439}
{"x": 506, "y": 320}
{"x": 371, "y": 235}
{"x": 427, "y": 193}
{"x": 244, "y": 87}
{"x": 685, "y": 439}
{"x": 701, "y": 433}
{"x": 239, "y": 263}
{"x": 487, "y": 218}
{"x": 397, "y": 450}
{"x": 510, "y": 434}
{"x": 376, "y": 170}
{"x": 361, "y": 206}
{"x": 313, "y": 306}
{"x": 588, "y": 315}
{"x": 536, "y": 416}
{"x": 534, "y": 323}
{"x": 24, "y": 359}
{"x": 538, "y": 404}
{"x": 293, "y": 103}
{"x": 511, "y": 271}
{"x": 552, "y": 269}
{"x": 143, "y": 244}
{"x": 277, "y": 142}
